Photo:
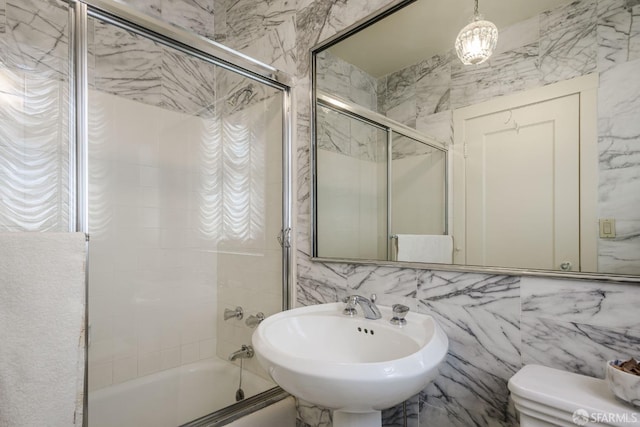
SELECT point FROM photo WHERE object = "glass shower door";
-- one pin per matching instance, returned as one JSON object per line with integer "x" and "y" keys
{"x": 185, "y": 206}
{"x": 34, "y": 116}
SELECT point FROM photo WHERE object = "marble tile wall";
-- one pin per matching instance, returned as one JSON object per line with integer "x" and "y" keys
{"x": 336, "y": 76}
{"x": 557, "y": 45}
{"x": 139, "y": 69}
{"x": 337, "y": 132}
{"x": 495, "y": 323}
{"x": 579, "y": 38}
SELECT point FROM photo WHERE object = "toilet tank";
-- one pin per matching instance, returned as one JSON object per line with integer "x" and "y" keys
{"x": 550, "y": 397}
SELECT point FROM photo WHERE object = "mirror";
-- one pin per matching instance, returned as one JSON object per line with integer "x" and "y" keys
{"x": 529, "y": 160}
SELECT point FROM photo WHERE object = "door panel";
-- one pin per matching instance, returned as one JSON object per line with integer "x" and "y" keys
{"x": 535, "y": 146}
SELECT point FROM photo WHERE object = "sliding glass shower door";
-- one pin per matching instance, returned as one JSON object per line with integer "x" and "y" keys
{"x": 34, "y": 116}
{"x": 185, "y": 210}
{"x": 188, "y": 197}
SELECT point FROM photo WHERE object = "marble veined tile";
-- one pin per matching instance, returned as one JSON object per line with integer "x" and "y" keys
{"x": 483, "y": 354}
{"x": 433, "y": 85}
{"x": 148, "y": 7}
{"x": 448, "y": 402}
{"x": 249, "y": 20}
{"x": 399, "y": 101}
{"x": 634, "y": 34}
{"x": 619, "y": 142}
{"x": 342, "y": 14}
{"x": 319, "y": 283}
{"x": 127, "y": 64}
{"x": 520, "y": 34}
{"x": 466, "y": 289}
{"x": 309, "y": 24}
{"x": 403, "y": 147}
{"x": 336, "y": 76}
{"x": 590, "y": 303}
{"x": 38, "y": 35}
{"x": 568, "y": 42}
{"x": 366, "y": 141}
{"x": 621, "y": 255}
{"x": 194, "y": 15}
{"x": 481, "y": 317}
{"x": 188, "y": 84}
{"x": 395, "y": 417}
{"x": 362, "y": 89}
{"x": 575, "y": 347}
{"x": 333, "y": 131}
{"x": 276, "y": 47}
{"x": 502, "y": 74}
{"x": 367, "y": 280}
{"x": 615, "y": 25}
{"x": 437, "y": 126}
{"x": 3, "y": 16}
{"x": 311, "y": 415}
{"x": 333, "y": 75}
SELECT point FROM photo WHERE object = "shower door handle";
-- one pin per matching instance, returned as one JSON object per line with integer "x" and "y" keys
{"x": 284, "y": 237}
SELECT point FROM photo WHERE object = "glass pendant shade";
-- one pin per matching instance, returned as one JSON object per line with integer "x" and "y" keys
{"x": 477, "y": 41}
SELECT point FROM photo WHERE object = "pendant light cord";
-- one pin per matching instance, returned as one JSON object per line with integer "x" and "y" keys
{"x": 475, "y": 10}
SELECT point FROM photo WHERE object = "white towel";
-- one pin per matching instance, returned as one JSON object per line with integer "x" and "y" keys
{"x": 425, "y": 248}
{"x": 42, "y": 306}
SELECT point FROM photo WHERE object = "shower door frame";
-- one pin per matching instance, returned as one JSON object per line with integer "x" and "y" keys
{"x": 215, "y": 54}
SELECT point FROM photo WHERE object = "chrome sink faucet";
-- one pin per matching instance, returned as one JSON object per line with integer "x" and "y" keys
{"x": 369, "y": 308}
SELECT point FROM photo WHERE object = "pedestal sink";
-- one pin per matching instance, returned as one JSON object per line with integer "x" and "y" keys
{"x": 353, "y": 365}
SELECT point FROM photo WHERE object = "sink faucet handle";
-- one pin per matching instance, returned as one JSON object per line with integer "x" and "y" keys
{"x": 399, "y": 313}
{"x": 350, "y": 309}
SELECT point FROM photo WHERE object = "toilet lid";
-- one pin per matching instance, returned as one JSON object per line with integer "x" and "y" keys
{"x": 570, "y": 392}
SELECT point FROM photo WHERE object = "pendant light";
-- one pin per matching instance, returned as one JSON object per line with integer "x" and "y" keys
{"x": 477, "y": 41}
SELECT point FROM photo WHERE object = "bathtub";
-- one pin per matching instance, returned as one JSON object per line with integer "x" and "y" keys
{"x": 172, "y": 397}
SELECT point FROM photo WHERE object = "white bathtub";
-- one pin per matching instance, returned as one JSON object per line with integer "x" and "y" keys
{"x": 173, "y": 397}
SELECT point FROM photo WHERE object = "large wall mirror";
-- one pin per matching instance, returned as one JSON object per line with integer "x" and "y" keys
{"x": 529, "y": 160}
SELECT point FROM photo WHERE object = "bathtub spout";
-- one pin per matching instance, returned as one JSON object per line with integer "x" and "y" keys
{"x": 245, "y": 352}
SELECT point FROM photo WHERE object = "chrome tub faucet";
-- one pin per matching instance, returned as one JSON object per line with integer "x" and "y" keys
{"x": 245, "y": 352}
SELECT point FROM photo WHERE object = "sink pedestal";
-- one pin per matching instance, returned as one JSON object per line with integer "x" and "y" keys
{"x": 357, "y": 419}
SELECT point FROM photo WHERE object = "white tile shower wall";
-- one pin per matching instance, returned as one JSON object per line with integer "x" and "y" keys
{"x": 486, "y": 317}
{"x": 200, "y": 176}
{"x": 153, "y": 288}
{"x": 250, "y": 273}
{"x": 349, "y": 193}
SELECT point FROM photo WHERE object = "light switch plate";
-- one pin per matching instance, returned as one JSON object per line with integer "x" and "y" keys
{"x": 607, "y": 228}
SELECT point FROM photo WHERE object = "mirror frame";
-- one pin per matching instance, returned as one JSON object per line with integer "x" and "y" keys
{"x": 336, "y": 38}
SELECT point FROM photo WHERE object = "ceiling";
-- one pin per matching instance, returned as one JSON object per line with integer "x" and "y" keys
{"x": 425, "y": 28}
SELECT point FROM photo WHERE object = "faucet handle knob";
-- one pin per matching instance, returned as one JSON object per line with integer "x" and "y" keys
{"x": 350, "y": 309}
{"x": 399, "y": 313}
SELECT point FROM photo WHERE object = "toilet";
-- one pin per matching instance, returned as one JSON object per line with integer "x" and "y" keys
{"x": 547, "y": 397}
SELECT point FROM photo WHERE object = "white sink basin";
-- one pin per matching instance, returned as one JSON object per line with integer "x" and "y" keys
{"x": 350, "y": 364}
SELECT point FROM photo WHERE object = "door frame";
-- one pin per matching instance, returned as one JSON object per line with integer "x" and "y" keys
{"x": 584, "y": 86}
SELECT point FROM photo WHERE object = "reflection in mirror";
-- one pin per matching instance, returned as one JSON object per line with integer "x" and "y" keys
{"x": 418, "y": 201}
{"x": 542, "y": 140}
{"x": 351, "y": 187}
{"x": 374, "y": 182}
